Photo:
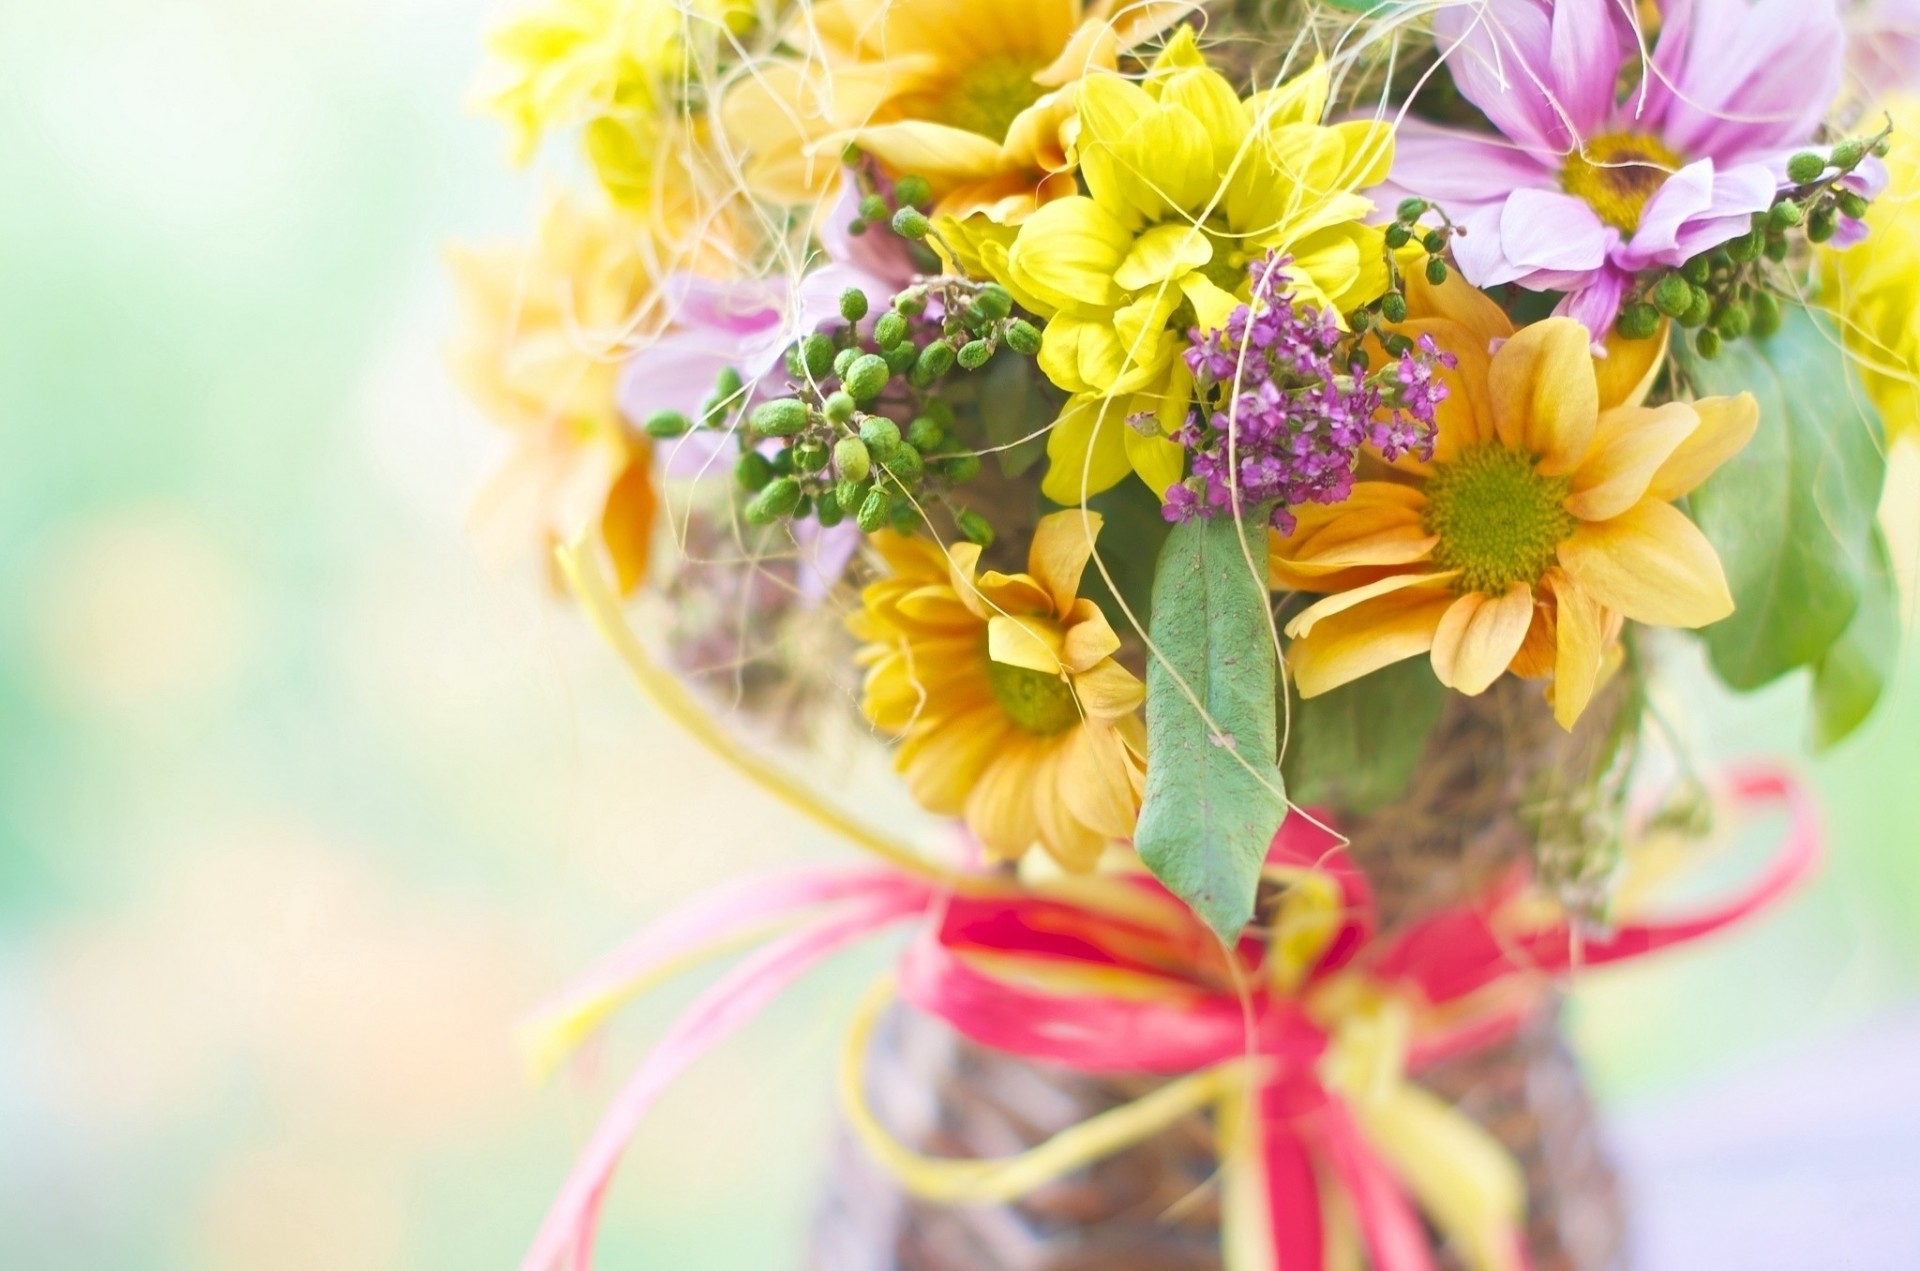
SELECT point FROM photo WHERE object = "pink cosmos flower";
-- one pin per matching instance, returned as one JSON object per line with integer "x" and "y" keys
{"x": 1584, "y": 189}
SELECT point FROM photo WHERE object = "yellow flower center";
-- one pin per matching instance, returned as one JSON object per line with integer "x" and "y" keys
{"x": 989, "y": 95}
{"x": 1616, "y": 174}
{"x": 1498, "y": 520}
{"x": 1041, "y": 704}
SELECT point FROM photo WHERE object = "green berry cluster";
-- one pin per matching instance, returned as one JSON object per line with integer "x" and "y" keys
{"x": 1735, "y": 290}
{"x": 1406, "y": 229}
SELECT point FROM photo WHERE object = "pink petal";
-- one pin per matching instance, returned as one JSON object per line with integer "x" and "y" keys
{"x": 1462, "y": 170}
{"x": 881, "y": 255}
{"x": 1597, "y": 304}
{"x": 1697, "y": 208}
{"x": 1752, "y": 77}
{"x": 1542, "y": 230}
{"x": 1543, "y": 73}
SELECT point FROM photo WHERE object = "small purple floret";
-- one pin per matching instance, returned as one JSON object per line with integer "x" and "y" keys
{"x": 1284, "y": 410}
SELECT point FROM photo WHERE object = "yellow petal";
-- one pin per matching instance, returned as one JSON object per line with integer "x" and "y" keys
{"x": 1301, "y": 100}
{"x": 1062, "y": 545}
{"x": 1000, "y": 808}
{"x": 1068, "y": 840}
{"x": 1109, "y": 691}
{"x": 1629, "y": 446}
{"x": 1066, "y": 253}
{"x": 1027, "y": 643}
{"x": 1208, "y": 97}
{"x": 1458, "y": 301}
{"x": 1090, "y": 639}
{"x": 626, "y": 523}
{"x": 1212, "y": 303}
{"x": 1096, "y": 784}
{"x": 1479, "y": 636}
{"x": 1369, "y": 146}
{"x": 1544, "y": 398}
{"x": 1158, "y": 461}
{"x": 1303, "y": 622}
{"x": 1727, "y": 424}
{"x": 1627, "y": 372}
{"x": 1109, "y": 106}
{"x": 1580, "y": 638}
{"x": 1085, "y": 451}
{"x": 942, "y": 760}
{"x": 1163, "y": 253}
{"x": 1367, "y": 637}
{"x": 1165, "y": 162}
{"x": 1651, "y": 564}
{"x": 941, "y": 154}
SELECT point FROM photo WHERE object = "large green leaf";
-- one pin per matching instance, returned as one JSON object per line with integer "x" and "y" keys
{"x": 1792, "y": 514}
{"x": 1356, "y": 747}
{"x": 1850, "y": 677}
{"x": 1214, "y": 795}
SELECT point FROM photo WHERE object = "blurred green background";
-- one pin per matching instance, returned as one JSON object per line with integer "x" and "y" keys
{"x": 302, "y": 804}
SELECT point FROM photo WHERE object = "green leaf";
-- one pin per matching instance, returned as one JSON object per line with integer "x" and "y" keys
{"x": 1012, "y": 406}
{"x": 1850, "y": 677}
{"x": 1365, "y": 8}
{"x": 1792, "y": 515}
{"x": 1214, "y": 797}
{"x": 1355, "y": 748}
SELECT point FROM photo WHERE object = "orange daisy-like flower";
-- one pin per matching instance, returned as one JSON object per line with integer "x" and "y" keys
{"x": 1003, "y": 690}
{"x": 1543, "y": 521}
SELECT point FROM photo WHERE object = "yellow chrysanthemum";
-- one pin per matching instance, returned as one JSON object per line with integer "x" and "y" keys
{"x": 1003, "y": 690}
{"x": 1186, "y": 183}
{"x": 1874, "y": 286}
{"x": 973, "y": 96}
{"x": 1545, "y": 518}
{"x": 544, "y": 329}
{"x": 619, "y": 71}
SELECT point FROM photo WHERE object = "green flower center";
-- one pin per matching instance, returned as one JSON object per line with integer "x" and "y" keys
{"x": 989, "y": 96}
{"x": 1499, "y": 521}
{"x": 1041, "y": 704}
{"x": 1616, "y": 174}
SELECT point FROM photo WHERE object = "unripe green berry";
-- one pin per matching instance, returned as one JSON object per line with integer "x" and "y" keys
{"x": 1639, "y": 321}
{"x": 995, "y": 301}
{"x": 1766, "y": 315}
{"x": 901, "y": 357}
{"x": 866, "y": 378}
{"x": 1746, "y": 248}
{"x": 1023, "y": 337}
{"x": 904, "y": 516}
{"x": 1805, "y": 167}
{"x": 828, "y": 512}
{"x": 912, "y": 191}
{"x": 874, "y": 208}
{"x": 851, "y": 494}
{"x": 782, "y": 462}
{"x": 911, "y": 222}
{"x": 852, "y": 459}
{"x": 974, "y": 354}
{"x": 1672, "y": 295}
{"x": 838, "y": 408}
{"x": 882, "y": 437}
{"x": 1434, "y": 242}
{"x": 1785, "y": 215}
{"x": 1883, "y": 147}
{"x": 906, "y": 465}
{"x": 753, "y": 471}
{"x": 1698, "y": 271}
{"x": 925, "y": 434}
{"x": 1733, "y": 322}
{"x": 810, "y": 454}
{"x": 1707, "y": 343}
{"x": 1398, "y": 236}
{"x": 816, "y": 355}
{"x": 804, "y": 508}
{"x": 1359, "y": 320}
{"x": 844, "y": 359}
{"x": 1849, "y": 153}
{"x": 912, "y": 304}
{"x": 781, "y": 417}
{"x": 1698, "y": 312}
{"x": 973, "y": 527}
{"x": 936, "y": 359}
{"x": 889, "y": 329}
{"x": 1410, "y": 210}
{"x": 1852, "y": 203}
{"x": 1393, "y": 307}
{"x": 666, "y": 424}
{"x": 960, "y": 469}
{"x": 873, "y": 511}
{"x": 1822, "y": 224}
{"x": 853, "y": 304}
{"x": 777, "y": 500}
{"x": 1436, "y": 270}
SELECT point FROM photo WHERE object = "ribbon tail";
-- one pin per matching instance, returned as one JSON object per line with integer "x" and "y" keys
{"x": 1391, "y": 1230}
{"x": 1294, "y": 1210}
{"x": 737, "y": 998}
{"x": 1460, "y": 1175}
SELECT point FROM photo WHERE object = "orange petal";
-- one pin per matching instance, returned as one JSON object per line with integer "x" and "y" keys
{"x": 1303, "y": 622}
{"x": 1727, "y": 424}
{"x": 942, "y": 761}
{"x": 1090, "y": 637}
{"x": 1544, "y": 397}
{"x": 1458, "y": 301}
{"x": 1000, "y": 809}
{"x": 1629, "y": 446}
{"x": 1062, "y": 545}
{"x": 1365, "y": 638}
{"x": 1031, "y": 644}
{"x": 1652, "y": 564}
{"x": 626, "y": 523}
{"x": 1076, "y": 845}
{"x": 1579, "y": 643}
{"x": 1109, "y": 691}
{"x": 1479, "y": 636}
{"x": 1628, "y": 370}
{"x": 1096, "y": 782}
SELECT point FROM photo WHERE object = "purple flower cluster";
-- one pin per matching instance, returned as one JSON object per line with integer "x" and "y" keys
{"x": 1285, "y": 406}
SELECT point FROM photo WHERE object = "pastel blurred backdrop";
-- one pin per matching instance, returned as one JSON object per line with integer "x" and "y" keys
{"x": 302, "y": 802}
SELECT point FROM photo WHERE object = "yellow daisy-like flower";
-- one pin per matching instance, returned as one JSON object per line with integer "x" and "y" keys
{"x": 1186, "y": 183}
{"x": 544, "y": 329}
{"x": 1545, "y": 518}
{"x": 1874, "y": 286}
{"x": 1003, "y": 690}
{"x": 968, "y": 96}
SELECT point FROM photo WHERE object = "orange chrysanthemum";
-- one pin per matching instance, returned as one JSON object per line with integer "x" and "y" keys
{"x": 1545, "y": 518}
{"x": 1003, "y": 690}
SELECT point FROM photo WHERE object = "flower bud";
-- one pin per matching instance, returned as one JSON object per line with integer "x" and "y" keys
{"x": 1746, "y": 248}
{"x": 911, "y": 222}
{"x": 1698, "y": 312}
{"x": 852, "y": 459}
{"x": 1672, "y": 295}
{"x": 1766, "y": 315}
{"x": 912, "y": 304}
{"x": 828, "y": 512}
{"x": 1821, "y": 224}
{"x": 974, "y": 354}
{"x": 1410, "y": 210}
{"x": 1698, "y": 271}
{"x": 1733, "y": 321}
{"x": 1393, "y": 307}
{"x": 1805, "y": 167}
{"x": 1436, "y": 270}
{"x": 912, "y": 191}
{"x": 995, "y": 301}
{"x": 753, "y": 471}
{"x": 666, "y": 424}
{"x": 925, "y": 434}
{"x": 974, "y": 528}
{"x": 1434, "y": 242}
{"x": 853, "y": 304}
{"x": 781, "y": 417}
{"x": 889, "y": 329}
{"x": 935, "y": 359}
{"x": 882, "y": 437}
{"x": 905, "y": 465}
{"x": 874, "y": 208}
{"x": 838, "y": 408}
{"x": 1707, "y": 344}
{"x": 1849, "y": 153}
{"x": 873, "y": 511}
{"x": 901, "y": 357}
{"x": 1785, "y": 215}
{"x": 1777, "y": 248}
{"x": 816, "y": 355}
{"x": 851, "y": 494}
{"x": 1639, "y": 321}
{"x": 1398, "y": 236}
{"x": 777, "y": 500}
{"x": 1023, "y": 337}
{"x": 866, "y": 378}
{"x": 1852, "y": 203}
{"x": 844, "y": 359}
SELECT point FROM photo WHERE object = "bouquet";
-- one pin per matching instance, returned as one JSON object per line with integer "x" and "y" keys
{"x": 1247, "y": 462}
